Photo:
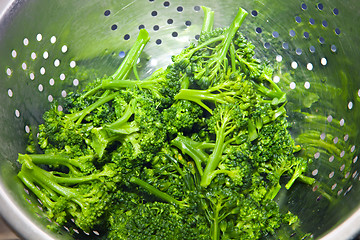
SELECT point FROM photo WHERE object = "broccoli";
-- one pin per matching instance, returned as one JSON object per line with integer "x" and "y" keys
{"x": 209, "y": 66}
{"x": 183, "y": 116}
{"x": 222, "y": 123}
{"x": 197, "y": 150}
{"x": 82, "y": 197}
{"x": 162, "y": 84}
{"x": 237, "y": 91}
{"x": 63, "y": 129}
{"x": 157, "y": 220}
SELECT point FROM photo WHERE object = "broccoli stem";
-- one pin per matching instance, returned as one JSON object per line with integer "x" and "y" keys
{"x": 133, "y": 55}
{"x": 252, "y": 131}
{"x": 198, "y": 96}
{"x": 205, "y": 145}
{"x": 298, "y": 174}
{"x": 221, "y": 93}
{"x": 219, "y": 59}
{"x": 52, "y": 189}
{"x": 229, "y": 173}
{"x": 215, "y": 224}
{"x": 80, "y": 115}
{"x": 295, "y": 176}
{"x": 230, "y": 33}
{"x": 151, "y": 83}
{"x": 26, "y": 177}
{"x": 31, "y": 161}
{"x": 221, "y": 131}
{"x": 129, "y": 61}
{"x": 271, "y": 194}
{"x": 214, "y": 158}
{"x": 275, "y": 94}
{"x": 190, "y": 147}
{"x": 120, "y": 84}
{"x": 305, "y": 179}
{"x": 226, "y": 39}
{"x": 208, "y": 22}
{"x": 164, "y": 196}
{"x": 203, "y": 45}
{"x": 45, "y": 179}
{"x": 233, "y": 57}
{"x": 279, "y": 112}
{"x": 49, "y": 159}
{"x": 119, "y": 124}
{"x": 55, "y": 160}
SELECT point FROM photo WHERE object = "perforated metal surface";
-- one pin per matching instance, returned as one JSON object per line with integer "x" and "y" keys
{"x": 46, "y": 45}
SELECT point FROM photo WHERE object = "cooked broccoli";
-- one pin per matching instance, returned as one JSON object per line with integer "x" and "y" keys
{"x": 157, "y": 220}
{"x": 79, "y": 196}
{"x": 197, "y": 150}
{"x": 208, "y": 61}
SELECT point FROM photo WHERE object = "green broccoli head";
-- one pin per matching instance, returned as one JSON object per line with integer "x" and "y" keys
{"x": 156, "y": 220}
{"x": 182, "y": 116}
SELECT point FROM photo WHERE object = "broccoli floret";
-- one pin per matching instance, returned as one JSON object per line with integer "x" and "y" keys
{"x": 101, "y": 137}
{"x": 182, "y": 116}
{"x": 275, "y": 150}
{"x": 209, "y": 58}
{"x": 157, "y": 221}
{"x": 53, "y": 135}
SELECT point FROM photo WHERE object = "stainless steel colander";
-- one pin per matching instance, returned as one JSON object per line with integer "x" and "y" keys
{"x": 46, "y": 46}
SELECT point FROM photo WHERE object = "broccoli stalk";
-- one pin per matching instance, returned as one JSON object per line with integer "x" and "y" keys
{"x": 276, "y": 95}
{"x": 223, "y": 126}
{"x": 133, "y": 55}
{"x": 214, "y": 66}
{"x": 127, "y": 64}
{"x": 77, "y": 166}
{"x": 121, "y": 73}
{"x": 208, "y": 22}
{"x": 275, "y": 173}
{"x": 270, "y": 116}
{"x": 218, "y": 206}
{"x": 164, "y": 196}
{"x": 215, "y": 219}
{"x": 31, "y": 162}
{"x": 193, "y": 149}
{"x": 252, "y": 130}
{"x": 295, "y": 168}
{"x": 78, "y": 117}
{"x": 152, "y": 83}
{"x": 221, "y": 93}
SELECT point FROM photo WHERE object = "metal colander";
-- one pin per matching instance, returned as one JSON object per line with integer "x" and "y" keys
{"x": 49, "y": 48}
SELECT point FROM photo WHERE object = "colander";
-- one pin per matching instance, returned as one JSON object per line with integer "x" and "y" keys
{"x": 45, "y": 46}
